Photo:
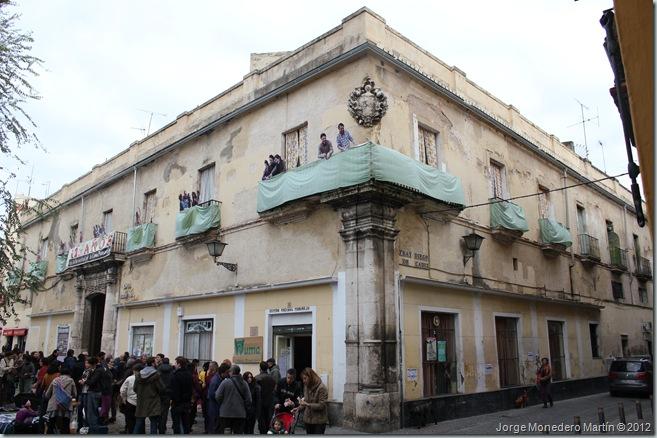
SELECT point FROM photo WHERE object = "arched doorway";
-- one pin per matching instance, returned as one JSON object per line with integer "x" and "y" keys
{"x": 93, "y": 323}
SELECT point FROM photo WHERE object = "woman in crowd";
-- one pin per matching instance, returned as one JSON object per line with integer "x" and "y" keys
{"x": 313, "y": 403}
{"x": 60, "y": 395}
{"x": 253, "y": 410}
{"x": 51, "y": 374}
{"x": 129, "y": 398}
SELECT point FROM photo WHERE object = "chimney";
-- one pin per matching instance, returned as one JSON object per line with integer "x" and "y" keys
{"x": 570, "y": 145}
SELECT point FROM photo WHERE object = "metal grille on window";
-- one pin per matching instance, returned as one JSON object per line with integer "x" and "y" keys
{"x": 496, "y": 180}
{"x": 142, "y": 340}
{"x": 206, "y": 184}
{"x": 295, "y": 147}
{"x": 198, "y": 340}
{"x": 428, "y": 148}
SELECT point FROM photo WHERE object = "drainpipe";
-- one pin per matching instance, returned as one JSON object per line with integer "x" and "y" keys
{"x": 400, "y": 339}
{"x": 571, "y": 264}
{"x": 134, "y": 193}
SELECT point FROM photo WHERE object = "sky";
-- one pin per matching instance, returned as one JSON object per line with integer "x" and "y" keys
{"x": 109, "y": 65}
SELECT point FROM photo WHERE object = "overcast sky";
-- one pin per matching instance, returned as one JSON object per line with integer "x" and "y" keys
{"x": 105, "y": 62}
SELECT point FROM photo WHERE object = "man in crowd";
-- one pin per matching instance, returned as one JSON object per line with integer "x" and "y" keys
{"x": 274, "y": 371}
{"x": 181, "y": 388}
{"x": 234, "y": 399}
{"x": 94, "y": 387}
{"x": 344, "y": 139}
{"x": 288, "y": 392}
{"x": 267, "y": 386}
{"x": 166, "y": 371}
{"x": 149, "y": 389}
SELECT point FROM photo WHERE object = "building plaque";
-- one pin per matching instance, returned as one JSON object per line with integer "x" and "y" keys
{"x": 248, "y": 350}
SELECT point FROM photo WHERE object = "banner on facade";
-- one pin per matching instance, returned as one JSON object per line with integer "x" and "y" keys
{"x": 432, "y": 349}
{"x": 248, "y": 350}
{"x": 91, "y": 250}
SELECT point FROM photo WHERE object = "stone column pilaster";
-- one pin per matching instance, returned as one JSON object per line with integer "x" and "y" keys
{"x": 109, "y": 315}
{"x": 78, "y": 315}
{"x": 371, "y": 395}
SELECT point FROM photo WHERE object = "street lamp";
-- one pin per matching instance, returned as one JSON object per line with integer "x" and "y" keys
{"x": 472, "y": 244}
{"x": 216, "y": 248}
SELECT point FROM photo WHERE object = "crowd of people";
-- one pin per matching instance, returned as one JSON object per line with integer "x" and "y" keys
{"x": 344, "y": 141}
{"x": 87, "y": 391}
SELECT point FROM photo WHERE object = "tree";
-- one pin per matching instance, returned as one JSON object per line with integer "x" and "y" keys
{"x": 17, "y": 66}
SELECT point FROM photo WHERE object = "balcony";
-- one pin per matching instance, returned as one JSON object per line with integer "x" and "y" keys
{"x": 61, "y": 263}
{"x": 618, "y": 259}
{"x": 140, "y": 242}
{"x": 589, "y": 250}
{"x": 198, "y": 223}
{"x": 555, "y": 238}
{"x": 643, "y": 269}
{"x": 292, "y": 195}
{"x": 38, "y": 270}
{"x": 107, "y": 248}
{"x": 507, "y": 221}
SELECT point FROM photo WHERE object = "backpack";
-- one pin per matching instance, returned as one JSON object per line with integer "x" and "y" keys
{"x": 63, "y": 398}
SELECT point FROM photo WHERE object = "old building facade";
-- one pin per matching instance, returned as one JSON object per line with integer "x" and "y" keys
{"x": 355, "y": 265}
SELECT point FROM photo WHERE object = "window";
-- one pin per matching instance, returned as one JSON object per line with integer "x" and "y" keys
{"x": 624, "y": 341}
{"x": 142, "y": 340}
{"x": 149, "y": 207}
{"x": 497, "y": 180}
{"x": 43, "y": 249}
{"x": 581, "y": 220}
{"x": 206, "y": 184}
{"x": 73, "y": 235}
{"x": 617, "y": 290}
{"x": 637, "y": 250}
{"x": 62, "y": 338}
{"x": 107, "y": 221}
{"x": 197, "y": 343}
{"x": 593, "y": 332}
{"x": 643, "y": 295}
{"x": 295, "y": 147}
{"x": 544, "y": 205}
{"x": 428, "y": 146}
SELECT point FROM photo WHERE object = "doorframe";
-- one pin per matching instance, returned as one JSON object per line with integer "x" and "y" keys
{"x": 519, "y": 334}
{"x": 268, "y": 335}
{"x": 460, "y": 383}
{"x": 564, "y": 337}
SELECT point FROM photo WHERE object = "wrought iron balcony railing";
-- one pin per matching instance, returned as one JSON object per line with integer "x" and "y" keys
{"x": 588, "y": 247}
{"x": 618, "y": 257}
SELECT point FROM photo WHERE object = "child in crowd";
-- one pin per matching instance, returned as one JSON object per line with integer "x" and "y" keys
{"x": 277, "y": 428}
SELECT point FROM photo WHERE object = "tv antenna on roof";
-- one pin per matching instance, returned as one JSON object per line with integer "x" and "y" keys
{"x": 150, "y": 119}
{"x": 584, "y": 122}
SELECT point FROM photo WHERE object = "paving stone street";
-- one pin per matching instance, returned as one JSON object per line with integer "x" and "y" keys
{"x": 532, "y": 418}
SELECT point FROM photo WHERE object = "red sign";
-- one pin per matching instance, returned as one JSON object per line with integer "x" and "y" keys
{"x": 14, "y": 332}
{"x": 91, "y": 250}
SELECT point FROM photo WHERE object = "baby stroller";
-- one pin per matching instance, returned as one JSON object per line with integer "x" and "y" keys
{"x": 289, "y": 420}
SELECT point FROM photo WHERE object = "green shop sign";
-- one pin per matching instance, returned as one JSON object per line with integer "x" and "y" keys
{"x": 248, "y": 350}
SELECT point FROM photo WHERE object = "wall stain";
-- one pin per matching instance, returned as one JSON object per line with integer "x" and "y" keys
{"x": 227, "y": 151}
{"x": 171, "y": 166}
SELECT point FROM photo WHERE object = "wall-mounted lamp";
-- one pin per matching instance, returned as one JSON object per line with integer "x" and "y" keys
{"x": 216, "y": 248}
{"x": 472, "y": 244}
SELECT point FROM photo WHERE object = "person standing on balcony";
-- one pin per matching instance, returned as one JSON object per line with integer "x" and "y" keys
{"x": 325, "y": 149}
{"x": 344, "y": 140}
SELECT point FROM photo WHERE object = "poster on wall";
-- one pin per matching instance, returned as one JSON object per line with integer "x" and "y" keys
{"x": 248, "y": 350}
{"x": 442, "y": 351}
{"x": 432, "y": 350}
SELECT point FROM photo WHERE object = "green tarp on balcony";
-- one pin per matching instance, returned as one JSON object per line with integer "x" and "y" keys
{"x": 38, "y": 269}
{"x": 141, "y": 236}
{"x": 61, "y": 263}
{"x": 509, "y": 216}
{"x": 197, "y": 219}
{"x": 357, "y": 166}
{"x": 553, "y": 232}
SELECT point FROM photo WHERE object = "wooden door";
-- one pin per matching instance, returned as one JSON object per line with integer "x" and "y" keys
{"x": 439, "y": 367}
{"x": 507, "y": 350}
{"x": 557, "y": 356}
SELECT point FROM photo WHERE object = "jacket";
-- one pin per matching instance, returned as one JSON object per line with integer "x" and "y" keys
{"x": 267, "y": 385}
{"x": 275, "y": 372}
{"x": 93, "y": 382}
{"x": 181, "y": 387}
{"x": 106, "y": 382}
{"x": 286, "y": 390}
{"x": 149, "y": 390}
{"x": 166, "y": 371}
{"x": 253, "y": 411}
{"x": 233, "y": 397}
{"x": 127, "y": 391}
{"x": 70, "y": 362}
{"x": 212, "y": 405}
{"x": 6, "y": 364}
{"x": 317, "y": 411}
{"x": 68, "y": 385}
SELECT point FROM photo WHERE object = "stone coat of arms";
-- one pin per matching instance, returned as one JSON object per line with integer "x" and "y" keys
{"x": 367, "y": 104}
